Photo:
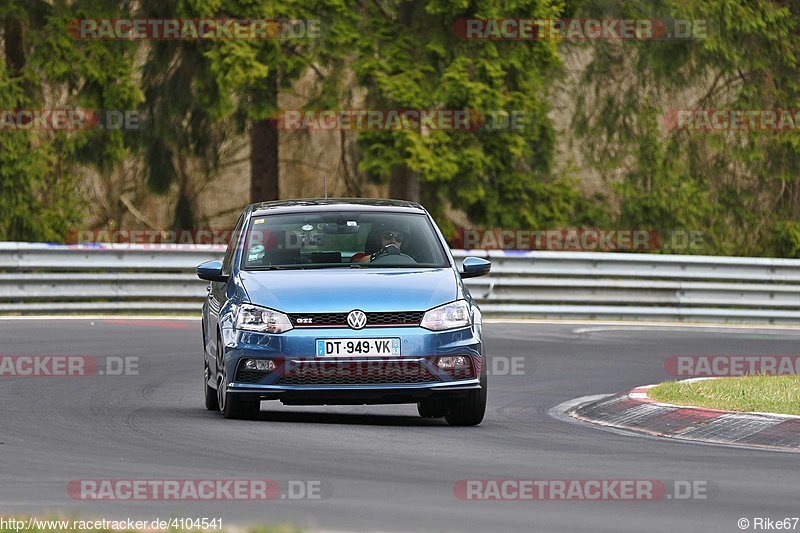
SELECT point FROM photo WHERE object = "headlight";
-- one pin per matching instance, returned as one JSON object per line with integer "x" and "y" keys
{"x": 254, "y": 318}
{"x": 447, "y": 316}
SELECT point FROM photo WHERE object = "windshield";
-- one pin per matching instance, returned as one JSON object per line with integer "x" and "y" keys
{"x": 342, "y": 239}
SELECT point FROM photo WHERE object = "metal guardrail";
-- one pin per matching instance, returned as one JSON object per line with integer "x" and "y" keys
{"x": 41, "y": 278}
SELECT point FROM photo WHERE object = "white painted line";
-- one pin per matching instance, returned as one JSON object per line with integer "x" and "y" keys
{"x": 666, "y": 326}
{"x": 100, "y": 317}
{"x": 560, "y": 411}
{"x": 779, "y": 415}
{"x": 695, "y": 380}
{"x": 602, "y": 325}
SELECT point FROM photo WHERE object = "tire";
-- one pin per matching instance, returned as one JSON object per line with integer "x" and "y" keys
{"x": 237, "y": 408}
{"x": 232, "y": 405}
{"x": 468, "y": 411}
{"x": 211, "y": 395}
{"x": 432, "y": 408}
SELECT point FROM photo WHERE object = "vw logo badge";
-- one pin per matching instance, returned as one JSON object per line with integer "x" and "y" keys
{"x": 356, "y": 319}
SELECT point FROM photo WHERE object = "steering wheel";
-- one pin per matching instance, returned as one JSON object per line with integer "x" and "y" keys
{"x": 391, "y": 254}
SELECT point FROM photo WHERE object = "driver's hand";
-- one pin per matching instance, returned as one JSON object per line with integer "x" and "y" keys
{"x": 389, "y": 249}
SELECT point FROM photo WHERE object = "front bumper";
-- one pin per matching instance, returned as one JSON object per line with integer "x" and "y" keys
{"x": 355, "y": 395}
{"x": 296, "y": 349}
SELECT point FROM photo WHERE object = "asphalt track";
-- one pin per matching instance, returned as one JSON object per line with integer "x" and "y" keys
{"x": 385, "y": 469}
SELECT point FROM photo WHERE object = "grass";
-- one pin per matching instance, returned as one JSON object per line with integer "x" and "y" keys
{"x": 769, "y": 394}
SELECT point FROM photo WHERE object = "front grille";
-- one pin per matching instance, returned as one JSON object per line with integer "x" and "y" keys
{"x": 393, "y": 318}
{"x": 460, "y": 373}
{"x": 318, "y": 319}
{"x": 356, "y": 373}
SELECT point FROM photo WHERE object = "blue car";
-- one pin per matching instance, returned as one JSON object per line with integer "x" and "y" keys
{"x": 342, "y": 301}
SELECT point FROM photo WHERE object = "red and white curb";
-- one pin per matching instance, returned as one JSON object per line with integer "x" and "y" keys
{"x": 636, "y": 411}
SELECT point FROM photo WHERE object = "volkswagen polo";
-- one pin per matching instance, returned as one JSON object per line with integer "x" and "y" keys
{"x": 342, "y": 301}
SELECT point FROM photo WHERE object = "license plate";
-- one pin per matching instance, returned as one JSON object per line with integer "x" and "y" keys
{"x": 357, "y": 347}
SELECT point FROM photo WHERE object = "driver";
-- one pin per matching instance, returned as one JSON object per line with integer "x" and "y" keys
{"x": 392, "y": 240}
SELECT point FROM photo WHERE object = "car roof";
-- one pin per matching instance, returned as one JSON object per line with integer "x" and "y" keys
{"x": 334, "y": 204}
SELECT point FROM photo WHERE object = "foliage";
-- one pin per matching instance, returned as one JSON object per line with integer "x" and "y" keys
{"x": 408, "y": 57}
{"x": 40, "y": 197}
{"x": 742, "y": 187}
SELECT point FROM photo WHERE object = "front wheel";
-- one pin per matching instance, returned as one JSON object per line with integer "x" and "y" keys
{"x": 232, "y": 405}
{"x": 432, "y": 408}
{"x": 468, "y": 411}
{"x": 211, "y": 395}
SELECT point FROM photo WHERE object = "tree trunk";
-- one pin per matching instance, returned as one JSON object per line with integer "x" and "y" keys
{"x": 264, "y": 150}
{"x": 404, "y": 184}
{"x": 14, "y": 45}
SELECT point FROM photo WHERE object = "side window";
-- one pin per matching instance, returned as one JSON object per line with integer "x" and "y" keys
{"x": 231, "y": 252}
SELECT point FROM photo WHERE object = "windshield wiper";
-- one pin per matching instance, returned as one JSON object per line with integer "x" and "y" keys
{"x": 305, "y": 266}
{"x": 272, "y": 267}
{"x": 319, "y": 266}
{"x": 417, "y": 265}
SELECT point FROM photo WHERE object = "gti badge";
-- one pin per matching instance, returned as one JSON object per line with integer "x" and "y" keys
{"x": 356, "y": 319}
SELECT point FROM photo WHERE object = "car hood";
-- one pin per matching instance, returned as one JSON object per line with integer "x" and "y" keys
{"x": 341, "y": 290}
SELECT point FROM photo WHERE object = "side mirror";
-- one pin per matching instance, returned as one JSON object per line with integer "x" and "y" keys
{"x": 474, "y": 267}
{"x": 211, "y": 271}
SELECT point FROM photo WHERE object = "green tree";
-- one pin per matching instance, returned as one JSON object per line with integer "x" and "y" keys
{"x": 189, "y": 106}
{"x": 200, "y": 92}
{"x": 740, "y": 187}
{"x": 46, "y": 68}
{"x": 285, "y": 59}
{"x": 409, "y": 57}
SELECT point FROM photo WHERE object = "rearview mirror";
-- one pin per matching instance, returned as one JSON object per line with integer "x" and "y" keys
{"x": 211, "y": 271}
{"x": 474, "y": 267}
{"x": 341, "y": 229}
